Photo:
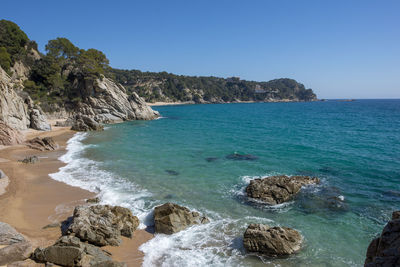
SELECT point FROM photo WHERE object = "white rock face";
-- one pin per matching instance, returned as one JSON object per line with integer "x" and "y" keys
{"x": 13, "y": 110}
{"x": 108, "y": 102}
{"x": 18, "y": 112}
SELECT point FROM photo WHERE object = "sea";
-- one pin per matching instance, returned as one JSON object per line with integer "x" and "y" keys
{"x": 183, "y": 158}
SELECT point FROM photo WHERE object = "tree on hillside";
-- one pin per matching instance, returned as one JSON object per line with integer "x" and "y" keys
{"x": 61, "y": 48}
{"x": 5, "y": 59}
{"x": 13, "y": 39}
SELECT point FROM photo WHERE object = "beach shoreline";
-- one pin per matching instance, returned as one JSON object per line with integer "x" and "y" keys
{"x": 33, "y": 199}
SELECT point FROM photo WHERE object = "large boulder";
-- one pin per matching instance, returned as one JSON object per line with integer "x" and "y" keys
{"x": 107, "y": 101}
{"x": 102, "y": 225}
{"x": 271, "y": 241}
{"x": 385, "y": 249}
{"x": 9, "y": 136}
{"x": 39, "y": 120}
{"x": 13, "y": 246}
{"x": 84, "y": 123}
{"x": 171, "y": 218}
{"x": 278, "y": 189}
{"x": 70, "y": 251}
{"x": 45, "y": 143}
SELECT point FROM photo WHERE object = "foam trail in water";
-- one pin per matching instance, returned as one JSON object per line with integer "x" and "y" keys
{"x": 85, "y": 173}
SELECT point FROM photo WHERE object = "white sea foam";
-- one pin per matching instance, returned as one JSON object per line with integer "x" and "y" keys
{"x": 85, "y": 173}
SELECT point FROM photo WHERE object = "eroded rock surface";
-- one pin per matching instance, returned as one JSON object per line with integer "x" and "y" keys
{"x": 16, "y": 247}
{"x": 84, "y": 123}
{"x": 70, "y": 251}
{"x": 278, "y": 189}
{"x": 385, "y": 249}
{"x": 102, "y": 225}
{"x": 171, "y": 218}
{"x": 45, "y": 143}
{"x": 271, "y": 241}
{"x": 9, "y": 136}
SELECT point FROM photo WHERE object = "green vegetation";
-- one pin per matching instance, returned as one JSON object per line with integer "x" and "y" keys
{"x": 166, "y": 86}
{"x": 56, "y": 79}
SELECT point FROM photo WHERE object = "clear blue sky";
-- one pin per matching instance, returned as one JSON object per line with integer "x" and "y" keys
{"x": 341, "y": 49}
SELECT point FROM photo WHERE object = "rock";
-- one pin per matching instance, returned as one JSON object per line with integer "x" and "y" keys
{"x": 17, "y": 248}
{"x": 84, "y": 123}
{"x": 237, "y": 156}
{"x": 278, "y": 189}
{"x": 39, "y": 121}
{"x": 93, "y": 200}
{"x": 327, "y": 198}
{"x": 2, "y": 174}
{"x": 172, "y": 172}
{"x": 211, "y": 159}
{"x": 9, "y": 136}
{"x": 385, "y": 250}
{"x": 102, "y": 225}
{"x": 45, "y": 143}
{"x": 30, "y": 159}
{"x": 110, "y": 264}
{"x": 171, "y": 218}
{"x": 52, "y": 225}
{"x": 70, "y": 251}
{"x": 16, "y": 107}
{"x": 271, "y": 241}
{"x": 107, "y": 101}
{"x": 66, "y": 123}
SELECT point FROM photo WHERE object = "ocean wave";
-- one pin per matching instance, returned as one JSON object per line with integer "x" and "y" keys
{"x": 85, "y": 173}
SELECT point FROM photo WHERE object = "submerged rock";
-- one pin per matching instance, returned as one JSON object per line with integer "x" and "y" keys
{"x": 271, "y": 241}
{"x": 171, "y": 218}
{"x": 278, "y": 189}
{"x": 94, "y": 200}
{"x": 9, "y": 136}
{"x": 385, "y": 249}
{"x": 45, "y": 143}
{"x": 84, "y": 123}
{"x": 102, "y": 225}
{"x": 237, "y": 156}
{"x": 172, "y": 172}
{"x": 70, "y": 251}
{"x": 211, "y": 159}
{"x": 16, "y": 247}
{"x": 325, "y": 199}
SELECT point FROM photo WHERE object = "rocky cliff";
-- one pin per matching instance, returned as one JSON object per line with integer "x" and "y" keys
{"x": 16, "y": 107}
{"x": 107, "y": 101}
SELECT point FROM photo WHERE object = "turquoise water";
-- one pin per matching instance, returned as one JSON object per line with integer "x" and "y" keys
{"x": 352, "y": 146}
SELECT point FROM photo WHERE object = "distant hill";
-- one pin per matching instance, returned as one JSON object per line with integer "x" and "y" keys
{"x": 168, "y": 87}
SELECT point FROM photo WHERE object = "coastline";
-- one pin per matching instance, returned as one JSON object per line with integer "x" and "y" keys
{"x": 33, "y": 199}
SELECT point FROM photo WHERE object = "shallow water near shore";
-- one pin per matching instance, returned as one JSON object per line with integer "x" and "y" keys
{"x": 182, "y": 157}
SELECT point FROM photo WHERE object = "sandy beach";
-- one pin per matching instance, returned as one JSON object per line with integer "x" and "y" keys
{"x": 33, "y": 200}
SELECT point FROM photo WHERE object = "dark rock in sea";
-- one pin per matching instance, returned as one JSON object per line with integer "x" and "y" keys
{"x": 13, "y": 246}
{"x": 172, "y": 172}
{"x": 169, "y": 196}
{"x": 70, "y": 251}
{"x": 45, "y": 143}
{"x": 326, "y": 198}
{"x": 385, "y": 249}
{"x": 171, "y": 218}
{"x": 271, "y": 241}
{"x": 278, "y": 189}
{"x": 329, "y": 170}
{"x": 84, "y": 123}
{"x": 101, "y": 225}
{"x": 237, "y": 156}
{"x": 211, "y": 159}
{"x": 94, "y": 200}
{"x": 30, "y": 159}
{"x": 392, "y": 193}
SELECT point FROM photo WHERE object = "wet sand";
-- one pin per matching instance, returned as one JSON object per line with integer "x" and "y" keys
{"x": 33, "y": 200}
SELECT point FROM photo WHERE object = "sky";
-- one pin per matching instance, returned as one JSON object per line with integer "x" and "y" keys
{"x": 340, "y": 49}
